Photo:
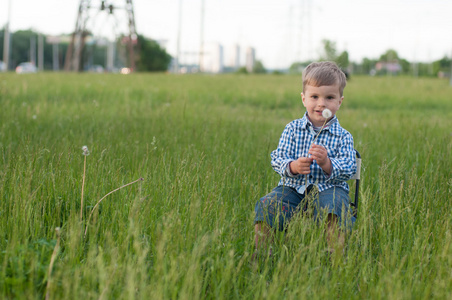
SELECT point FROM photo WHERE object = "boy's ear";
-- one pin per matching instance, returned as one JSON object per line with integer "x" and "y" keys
{"x": 302, "y": 98}
{"x": 340, "y": 101}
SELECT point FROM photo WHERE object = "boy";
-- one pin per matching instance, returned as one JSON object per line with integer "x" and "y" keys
{"x": 326, "y": 163}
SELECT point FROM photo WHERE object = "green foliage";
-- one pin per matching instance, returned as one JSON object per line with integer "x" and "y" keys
{"x": 442, "y": 65}
{"x": 389, "y": 55}
{"x": 365, "y": 67}
{"x": 242, "y": 70}
{"x": 202, "y": 144}
{"x": 20, "y": 48}
{"x": 330, "y": 52}
{"x": 259, "y": 68}
{"x": 151, "y": 56}
{"x": 298, "y": 67}
{"x": 342, "y": 60}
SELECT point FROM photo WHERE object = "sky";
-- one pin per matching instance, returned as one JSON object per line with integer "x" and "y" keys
{"x": 281, "y": 31}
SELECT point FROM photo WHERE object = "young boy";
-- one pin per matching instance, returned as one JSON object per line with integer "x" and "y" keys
{"x": 328, "y": 163}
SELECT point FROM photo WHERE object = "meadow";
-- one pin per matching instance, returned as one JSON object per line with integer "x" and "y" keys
{"x": 202, "y": 145}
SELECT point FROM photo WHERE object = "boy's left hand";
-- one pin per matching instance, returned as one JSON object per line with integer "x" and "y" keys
{"x": 320, "y": 155}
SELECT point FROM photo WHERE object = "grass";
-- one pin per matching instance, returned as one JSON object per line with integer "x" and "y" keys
{"x": 202, "y": 145}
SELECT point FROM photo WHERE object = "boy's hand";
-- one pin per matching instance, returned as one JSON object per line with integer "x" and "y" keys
{"x": 320, "y": 155}
{"x": 301, "y": 166}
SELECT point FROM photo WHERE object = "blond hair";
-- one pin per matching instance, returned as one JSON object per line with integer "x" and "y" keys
{"x": 324, "y": 73}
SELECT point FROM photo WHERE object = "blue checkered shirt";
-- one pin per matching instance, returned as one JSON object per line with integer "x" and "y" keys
{"x": 295, "y": 142}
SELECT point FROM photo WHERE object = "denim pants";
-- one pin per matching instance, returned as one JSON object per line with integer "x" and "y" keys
{"x": 283, "y": 202}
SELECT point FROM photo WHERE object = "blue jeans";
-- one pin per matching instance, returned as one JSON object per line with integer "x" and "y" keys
{"x": 283, "y": 202}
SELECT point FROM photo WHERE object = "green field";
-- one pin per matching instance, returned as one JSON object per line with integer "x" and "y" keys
{"x": 202, "y": 144}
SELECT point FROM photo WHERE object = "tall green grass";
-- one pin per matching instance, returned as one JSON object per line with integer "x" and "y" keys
{"x": 202, "y": 144}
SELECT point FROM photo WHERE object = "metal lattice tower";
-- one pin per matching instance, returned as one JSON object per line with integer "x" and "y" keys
{"x": 74, "y": 53}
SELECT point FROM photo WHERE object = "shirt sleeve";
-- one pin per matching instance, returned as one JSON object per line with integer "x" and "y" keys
{"x": 344, "y": 163}
{"x": 285, "y": 153}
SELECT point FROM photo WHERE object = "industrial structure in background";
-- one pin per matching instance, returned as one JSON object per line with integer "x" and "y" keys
{"x": 89, "y": 11}
{"x": 250, "y": 59}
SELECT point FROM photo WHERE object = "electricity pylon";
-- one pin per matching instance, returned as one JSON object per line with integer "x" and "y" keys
{"x": 74, "y": 52}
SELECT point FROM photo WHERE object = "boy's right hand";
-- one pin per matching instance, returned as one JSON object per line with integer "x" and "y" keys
{"x": 301, "y": 166}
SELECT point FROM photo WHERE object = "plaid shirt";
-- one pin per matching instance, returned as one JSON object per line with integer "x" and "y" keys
{"x": 295, "y": 142}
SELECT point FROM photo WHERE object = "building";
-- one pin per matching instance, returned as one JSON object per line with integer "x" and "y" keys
{"x": 250, "y": 59}
{"x": 213, "y": 58}
{"x": 392, "y": 67}
{"x": 234, "y": 57}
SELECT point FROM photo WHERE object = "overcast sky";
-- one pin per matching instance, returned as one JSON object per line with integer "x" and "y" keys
{"x": 281, "y": 31}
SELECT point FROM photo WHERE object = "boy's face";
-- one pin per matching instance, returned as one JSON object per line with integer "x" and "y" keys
{"x": 317, "y": 98}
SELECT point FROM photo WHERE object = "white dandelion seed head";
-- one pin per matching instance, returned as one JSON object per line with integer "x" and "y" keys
{"x": 85, "y": 150}
{"x": 326, "y": 113}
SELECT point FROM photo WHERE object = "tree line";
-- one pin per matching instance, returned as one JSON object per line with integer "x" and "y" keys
{"x": 388, "y": 63}
{"x": 150, "y": 56}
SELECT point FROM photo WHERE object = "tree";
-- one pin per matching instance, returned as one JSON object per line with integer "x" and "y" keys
{"x": 406, "y": 65}
{"x": 443, "y": 65}
{"x": 20, "y": 48}
{"x": 298, "y": 67}
{"x": 330, "y": 54}
{"x": 342, "y": 60}
{"x": 259, "y": 67}
{"x": 389, "y": 55}
{"x": 151, "y": 57}
{"x": 367, "y": 65}
{"x": 241, "y": 70}
{"x": 329, "y": 48}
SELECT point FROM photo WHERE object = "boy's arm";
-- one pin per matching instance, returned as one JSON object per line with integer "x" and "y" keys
{"x": 285, "y": 153}
{"x": 343, "y": 165}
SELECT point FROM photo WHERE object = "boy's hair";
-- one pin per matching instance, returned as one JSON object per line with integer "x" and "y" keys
{"x": 324, "y": 73}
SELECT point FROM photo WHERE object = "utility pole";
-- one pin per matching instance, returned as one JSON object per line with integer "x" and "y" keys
{"x": 54, "y": 41}
{"x": 176, "y": 66}
{"x": 6, "y": 39}
{"x": 132, "y": 33}
{"x": 40, "y": 52}
{"x": 450, "y": 76}
{"x": 201, "y": 39}
{"x": 33, "y": 50}
{"x": 55, "y": 57}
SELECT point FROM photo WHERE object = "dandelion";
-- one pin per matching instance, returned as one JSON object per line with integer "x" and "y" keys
{"x": 326, "y": 113}
{"x": 85, "y": 150}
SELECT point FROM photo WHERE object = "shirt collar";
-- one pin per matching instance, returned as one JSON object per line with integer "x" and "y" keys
{"x": 333, "y": 124}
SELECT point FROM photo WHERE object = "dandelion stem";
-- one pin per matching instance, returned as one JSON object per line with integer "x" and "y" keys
{"x": 52, "y": 260}
{"x": 98, "y": 202}
{"x": 323, "y": 126}
{"x": 83, "y": 185}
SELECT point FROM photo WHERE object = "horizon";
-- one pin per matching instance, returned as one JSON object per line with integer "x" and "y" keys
{"x": 418, "y": 31}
